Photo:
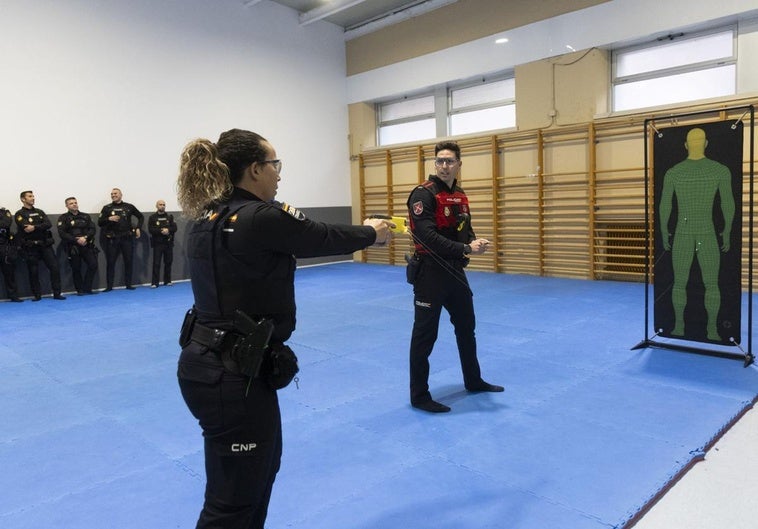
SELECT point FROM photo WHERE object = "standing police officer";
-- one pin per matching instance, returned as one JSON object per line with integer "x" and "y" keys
{"x": 116, "y": 222}
{"x": 36, "y": 242}
{"x": 440, "y": 222}
{"x": 77, "y": 232}
{"x": 162, "y": 228}
{"x": 242, "y": 251}
{"x": 8, "y": 253}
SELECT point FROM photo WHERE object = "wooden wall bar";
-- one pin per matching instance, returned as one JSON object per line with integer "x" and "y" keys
{"x": 562, "y": 202}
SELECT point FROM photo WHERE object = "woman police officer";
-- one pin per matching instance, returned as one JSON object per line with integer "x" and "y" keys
{"x": 241, "y": 248}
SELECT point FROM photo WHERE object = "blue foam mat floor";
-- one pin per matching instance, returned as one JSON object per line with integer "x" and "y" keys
{"x": 588, "y": 431}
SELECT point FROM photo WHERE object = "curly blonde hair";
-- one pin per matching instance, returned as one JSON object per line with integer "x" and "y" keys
{"x": 208, "y": 172}
{"x": 203, "y": 178}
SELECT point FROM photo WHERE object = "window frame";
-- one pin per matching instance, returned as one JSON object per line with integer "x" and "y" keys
{"x": 662, "y": 73}
{"x": 443, "y": 105}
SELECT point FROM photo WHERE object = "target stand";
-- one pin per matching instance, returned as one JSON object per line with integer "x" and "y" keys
{"x": 694, "y": 232}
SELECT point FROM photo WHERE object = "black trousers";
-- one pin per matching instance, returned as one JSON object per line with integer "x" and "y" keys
{"x": 439, "y": 287}
{"x": 113, "y": 247}
{"x": 164, "y": 252}
{"x": 76, "y": 256}
{"x": 8, "y": 269}
{"x": 33, "y": 255}
{"x": 243, "y": 440}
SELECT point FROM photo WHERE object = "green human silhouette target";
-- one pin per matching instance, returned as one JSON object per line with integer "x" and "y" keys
{"x": 698, "y": 232}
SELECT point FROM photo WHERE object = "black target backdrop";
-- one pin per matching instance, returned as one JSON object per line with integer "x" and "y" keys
{"x": 724, "y": 146}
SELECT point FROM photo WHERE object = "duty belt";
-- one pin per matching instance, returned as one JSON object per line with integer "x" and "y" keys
{"x": 217, "y": 340}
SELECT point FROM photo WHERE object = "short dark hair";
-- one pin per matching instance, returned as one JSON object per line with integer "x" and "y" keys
{"x": 69, "y": 198}
{"x": 448, "y": 146}
{"x": 25, "y": 192}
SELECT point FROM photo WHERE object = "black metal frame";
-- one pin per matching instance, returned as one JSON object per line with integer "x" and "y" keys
{"x": 746, "y": 356}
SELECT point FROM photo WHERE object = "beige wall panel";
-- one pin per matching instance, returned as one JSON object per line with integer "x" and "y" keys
{"x": 582, "y": 85}
{"x": 457, "y": 23}
{"x": 626, "y": 151}
{"x": 375, "y": 175}
{"x": 565, "y": 90}
{"x": 475, "y": 167}
{"x": 362, "y": 123}
{"x": 534, "y": 93}
{"x": 565, "y": 158}
{"x": 405, "y": 175}
{"x": 519, "y": 162}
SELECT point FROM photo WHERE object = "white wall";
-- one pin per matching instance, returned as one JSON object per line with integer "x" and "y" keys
{"x": 598, "y": 26}
{"x": 97, "y": 94}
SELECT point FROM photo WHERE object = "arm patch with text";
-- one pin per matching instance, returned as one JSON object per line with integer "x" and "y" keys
{"x": 292, "y": 210}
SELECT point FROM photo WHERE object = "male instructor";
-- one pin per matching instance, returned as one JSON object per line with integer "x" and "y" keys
{"x": 440, "y": 223}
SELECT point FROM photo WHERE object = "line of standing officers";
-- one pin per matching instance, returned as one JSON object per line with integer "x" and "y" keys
{"x": 120, "y": 224}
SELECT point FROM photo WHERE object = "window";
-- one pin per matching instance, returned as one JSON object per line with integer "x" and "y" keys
{"x": 675, "y": 69}
{"x": 485, "y": 106}
{"x": 406, "y": 120}
{"x": 446, "y": 111}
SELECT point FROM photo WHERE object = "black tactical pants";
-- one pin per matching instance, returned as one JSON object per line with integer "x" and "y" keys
{"x": 113, "y": 247}
{"x": 243, "y": 439}
{"x": 440, "y": 286}
{"x": 8, "y": 268}
{"x": 33, "y": 255}
{"x": 162, "y": 252}
{"x": 76, "y": 256}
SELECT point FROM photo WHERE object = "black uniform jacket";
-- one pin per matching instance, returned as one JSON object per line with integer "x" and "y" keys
{"x": 71, "y": 226}
{"x": 242, "y": 256}
{"x": 156, "y": 223}
{"x": 6, "y": 220}
{"x": 41, "y": 235}
{"x": 123, "y": 226}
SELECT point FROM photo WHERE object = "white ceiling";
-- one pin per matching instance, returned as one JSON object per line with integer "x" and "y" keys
{"x": 357, "y": 17}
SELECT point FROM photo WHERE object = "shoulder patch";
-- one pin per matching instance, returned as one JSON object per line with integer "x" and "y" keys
{"x": 292, "y": 210}
{"x": 418, "y": 208}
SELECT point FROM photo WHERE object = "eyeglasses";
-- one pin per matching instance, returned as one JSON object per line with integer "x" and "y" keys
{"x": 445, "y": 161}
{"x": 276, "y": 163}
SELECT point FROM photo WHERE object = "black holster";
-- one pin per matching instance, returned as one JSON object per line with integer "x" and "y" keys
{"x": 249, "y": 351}
{"x": 413, "y": 267}
{"x": 185, "y": 334}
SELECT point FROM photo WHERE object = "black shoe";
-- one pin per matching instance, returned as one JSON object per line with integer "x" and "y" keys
{"x": 131, "y": 288}
{"x": 431, "y": 406}
{"x": 16, "y": 300}
{"x": 58, "y": 296}
{"x": 91, "y": 292}
{"x": 108, "y": 289}
{"x": 36, "y": 298}
{"x": 79, "y": 293}
{"x": 483, "y": 386}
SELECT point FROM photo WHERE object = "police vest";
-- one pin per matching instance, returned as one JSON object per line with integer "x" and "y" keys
{"x": 222, "y": 283}
{"x": 451, "y": 215}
